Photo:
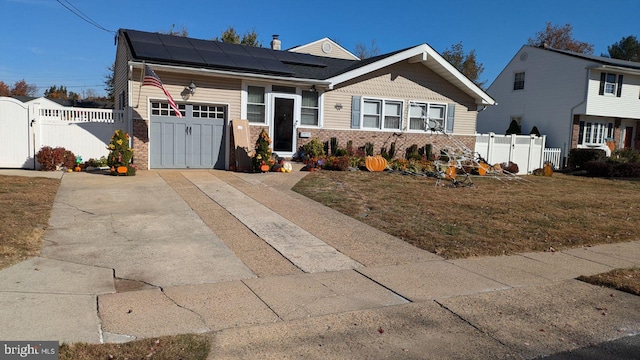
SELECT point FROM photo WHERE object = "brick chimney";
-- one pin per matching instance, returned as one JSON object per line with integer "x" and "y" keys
{"x": 275, "y": 43}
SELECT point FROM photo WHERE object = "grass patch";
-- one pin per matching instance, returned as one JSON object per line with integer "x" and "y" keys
{"x": 183, "y": 347}
{"x": 25, "y": 208}
{"x": 493, "y": 218}
{"x": 627, "y": 280}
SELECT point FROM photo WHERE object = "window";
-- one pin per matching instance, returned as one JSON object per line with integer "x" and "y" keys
{"x": 610, "y": 84}
{"x": 163, "y": 109}
{"x": 392, "y": 115}
{"x": 382, "y": 114}
{"x": 427, "y": 117}
{"x": 211, "y": 112}
{"x": 309, "y": 115}
{"x": 518, "y": 81}
{"x": 283, "y": 89}
{"x": 594, "y": 133}
{"x": 255, "y": 104}
{"x": 371, "y": 114}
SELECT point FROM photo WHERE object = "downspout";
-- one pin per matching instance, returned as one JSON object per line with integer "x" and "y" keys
{"x": 573, "y": 109}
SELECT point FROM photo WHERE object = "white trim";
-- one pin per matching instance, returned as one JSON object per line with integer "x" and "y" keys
{"x": 428, "y": 105}
{"x": 297, "y": 100}
{"x": 434, "y": 61}
{"x": 382, "y": 101}
{"x": 294, "y": 49}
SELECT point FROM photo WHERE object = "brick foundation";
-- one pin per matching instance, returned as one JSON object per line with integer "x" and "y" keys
{"x": 141, "y": 143}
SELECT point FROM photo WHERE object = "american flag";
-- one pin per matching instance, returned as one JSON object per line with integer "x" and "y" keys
{"x": 151, "y": 79}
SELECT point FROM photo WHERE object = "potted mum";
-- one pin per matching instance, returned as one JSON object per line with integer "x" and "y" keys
{"x": 120, "y": 155}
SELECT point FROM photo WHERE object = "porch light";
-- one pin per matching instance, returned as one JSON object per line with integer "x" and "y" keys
{"x": 338, "y": 106}
{"x": 192, "y": 88}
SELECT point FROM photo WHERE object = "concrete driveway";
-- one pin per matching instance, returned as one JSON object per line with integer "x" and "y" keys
{"x": 269, "y": 273}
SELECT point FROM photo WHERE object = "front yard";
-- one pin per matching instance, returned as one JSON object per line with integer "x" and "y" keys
{"x": 496, "y": 217}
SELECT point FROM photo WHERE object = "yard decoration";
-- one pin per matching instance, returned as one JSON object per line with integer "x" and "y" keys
{"x": 120, "y": 155}
{"x": 375, "y": 163}
{"x": 483, "y": 168}
{"x": 262, "y": 160}
{"x": 287, "y": 167}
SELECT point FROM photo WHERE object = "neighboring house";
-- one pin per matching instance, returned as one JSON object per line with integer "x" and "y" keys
{"x": 294, "y": 95}
{"x": 577, "y": 100}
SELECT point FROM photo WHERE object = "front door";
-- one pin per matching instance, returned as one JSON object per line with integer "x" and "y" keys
{"x": 283, "y": 125}
{"x": 628, "y": 137}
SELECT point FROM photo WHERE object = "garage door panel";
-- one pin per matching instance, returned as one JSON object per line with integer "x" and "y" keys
{"x": 187, "y": 142}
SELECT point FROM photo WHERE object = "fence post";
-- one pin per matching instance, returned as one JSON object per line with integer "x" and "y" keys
{"x": 532, "y": 153}
{"x": 544, "y": 144}
{"x": 490, "y": 148}
{"x": 512, "y": 148}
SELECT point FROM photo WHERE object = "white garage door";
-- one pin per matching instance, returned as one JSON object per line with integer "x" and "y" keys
{"x": 194, "y": 141}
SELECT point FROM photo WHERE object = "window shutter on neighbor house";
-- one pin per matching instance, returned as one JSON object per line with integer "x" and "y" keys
{"x": 619, "y": 94}
{"x": 602, "y": 79}
{"x": 451, "y": 111}
{"x": 355, "y": 112}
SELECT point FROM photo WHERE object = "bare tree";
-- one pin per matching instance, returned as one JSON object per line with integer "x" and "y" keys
{"x": 364, "y": 52}
{"x": 561, "y": 38}
{"x": 466, "y": 63}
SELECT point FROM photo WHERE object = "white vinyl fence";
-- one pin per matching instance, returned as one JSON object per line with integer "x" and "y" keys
{"x": 553, "y": 156}
{"x": 27, "y": 128}
{"x": 527, "y": 151}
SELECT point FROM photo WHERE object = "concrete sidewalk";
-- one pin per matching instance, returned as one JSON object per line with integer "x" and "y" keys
{"x": 271, "y": 274}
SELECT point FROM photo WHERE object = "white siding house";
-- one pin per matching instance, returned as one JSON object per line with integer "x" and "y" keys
{"x": 577, "y": 100}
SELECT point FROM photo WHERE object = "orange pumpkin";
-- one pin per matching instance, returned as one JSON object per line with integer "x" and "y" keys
{"x": 375, "y": 163}
{"x": 265, "y": 168}
{"x": 450, "y": 173}
{"x": 548, "y": 170}
{"x": 483, "y": 168}
{"x": 122, "y": 169}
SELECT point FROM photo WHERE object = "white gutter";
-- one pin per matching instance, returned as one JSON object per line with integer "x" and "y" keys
{"x": 231, "y": 74}
{"x": 619, "y": 69}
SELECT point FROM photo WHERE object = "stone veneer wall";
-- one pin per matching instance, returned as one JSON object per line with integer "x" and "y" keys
{"x": 141, "y": 143}
{"x": 384, "y": 139}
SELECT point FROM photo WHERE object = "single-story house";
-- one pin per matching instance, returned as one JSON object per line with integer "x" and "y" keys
{"x": 576, "y": 100}
{"x": 318, "y": 90}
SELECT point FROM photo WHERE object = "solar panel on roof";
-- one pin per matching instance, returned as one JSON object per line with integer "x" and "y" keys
{"x": 297, "y": 58}
{"x": 246, "y": 62}
{"x": 274, "y": 65}
{"x": 189, "y": 55}
{"x": 150, "y": 51}
{"x": 205, "y": 45}
{"x": 232, "y": 48}
{"x": 261, "y": 52}
{"x": 178, "y": 41}
{"x": 216, "y": 58}
{"x": 137, "y": 36}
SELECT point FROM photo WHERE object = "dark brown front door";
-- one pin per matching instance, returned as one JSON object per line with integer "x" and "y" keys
{"x": 628, "y": 133}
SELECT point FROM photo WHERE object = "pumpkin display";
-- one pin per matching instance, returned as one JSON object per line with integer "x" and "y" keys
{"x": 483, "y": 168}
{"x": 548, "y": 170}
{"x": 287, "y": 167}
{"x": 375, "y": 163}
{"x": 450, "y": 172}
{"x": 122, "y": 169}
{"x": 265, "y": 168}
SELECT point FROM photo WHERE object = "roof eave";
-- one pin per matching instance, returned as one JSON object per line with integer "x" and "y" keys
{"x": 428, "y": 57}
{"x": 619, "y": 69}
{"x": 181, "y": 69}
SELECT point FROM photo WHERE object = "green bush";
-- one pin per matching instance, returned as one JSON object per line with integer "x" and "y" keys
{"x": 610, "y": 168}
{"x": 313, "y": 149}
{"x": 578, "y": 157}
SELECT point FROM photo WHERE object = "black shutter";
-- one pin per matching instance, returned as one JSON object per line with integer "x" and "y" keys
{"x": 619, "y": 86}
{"x": 603, "y": 76}
{"x": 355, "y": 112}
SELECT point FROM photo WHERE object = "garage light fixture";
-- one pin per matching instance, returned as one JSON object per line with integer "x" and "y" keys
{"x": 191, "y": 88}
